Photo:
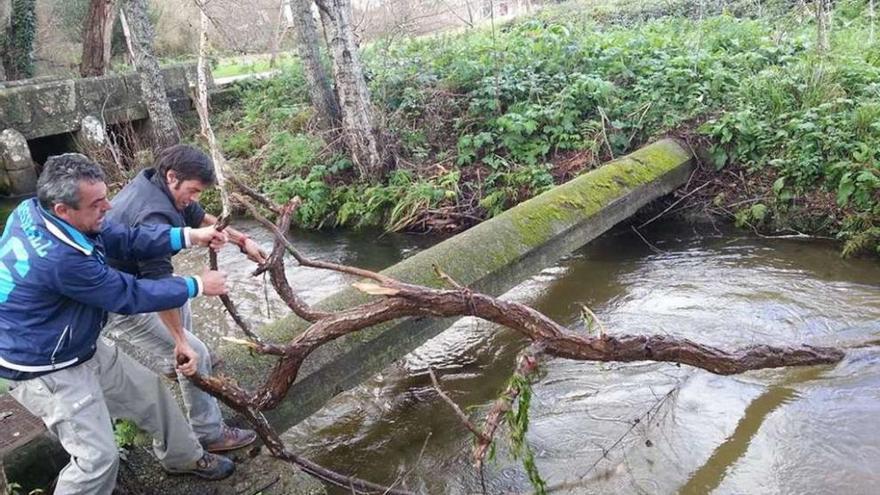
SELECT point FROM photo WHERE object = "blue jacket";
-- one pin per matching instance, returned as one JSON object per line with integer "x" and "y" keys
{"x": 56, "y": 287}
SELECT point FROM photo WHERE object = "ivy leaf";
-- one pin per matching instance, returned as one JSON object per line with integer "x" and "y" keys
{"x": 758, "y": 212}
{"x": 719, "y": 157}
{"x": 845, "y": 188}
{"x": 778, "y": 185}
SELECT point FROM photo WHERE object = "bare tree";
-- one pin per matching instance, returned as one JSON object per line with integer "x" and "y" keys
{"x": 359, "y": 129}
{"x": 282, "y": 23}
{"x": 141, "y": 34}
{"x": 822, "y": 26}
{"x": 305, "y": 34}
{"x": 871, "y": 15}
{"x": 97, "y": 38}
{"x": 4, "y": 26}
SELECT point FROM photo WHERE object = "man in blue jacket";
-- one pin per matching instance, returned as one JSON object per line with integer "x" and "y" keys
{"x": 55, "y": 292}
{"x": 168, "y": 195}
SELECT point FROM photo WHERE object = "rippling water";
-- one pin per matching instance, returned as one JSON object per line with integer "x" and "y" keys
{"x": 642, "y": 427}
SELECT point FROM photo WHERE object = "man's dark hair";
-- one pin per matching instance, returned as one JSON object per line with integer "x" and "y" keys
{"x": 188, "y": 163}
{"x": 59, "y": 181}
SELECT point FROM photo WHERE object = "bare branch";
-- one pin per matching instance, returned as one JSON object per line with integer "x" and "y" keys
{"x": 527, "y": 364}
{"x": 275, "y": 266}
{"x": 442, "y": 275}
{"x": 256, "y": 196}
{"x": 458, "y": 412}
{"x": 302, "y": 260}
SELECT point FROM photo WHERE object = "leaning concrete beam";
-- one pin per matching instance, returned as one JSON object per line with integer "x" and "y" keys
{"x": 491, "y": 257}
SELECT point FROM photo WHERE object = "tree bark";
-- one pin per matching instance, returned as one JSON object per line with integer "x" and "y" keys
{"x": 358, "y": 123}
{"x": 162, "y": 124}
{"x": 305, "y": 35}
{"x": 18, "y": 49}
{"x": 4, "y": 27}
{"x": 871, "y": 14}
{"x": 96, "y": 40}
{"x": 822, "y": 43}
{"x": 281, "y": 24}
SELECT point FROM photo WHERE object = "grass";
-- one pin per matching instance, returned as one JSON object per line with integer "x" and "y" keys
{"x": 252, "y": 64}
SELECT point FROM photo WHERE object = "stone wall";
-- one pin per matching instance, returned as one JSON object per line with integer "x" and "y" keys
{"x": 47, "y": 106}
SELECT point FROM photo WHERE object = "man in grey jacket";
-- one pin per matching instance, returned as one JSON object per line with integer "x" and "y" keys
{"x": 168, "y": 195}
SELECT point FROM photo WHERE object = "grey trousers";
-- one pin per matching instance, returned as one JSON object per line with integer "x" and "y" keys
{"x": 147, "y": 332}
{"x": 77, "y": 403}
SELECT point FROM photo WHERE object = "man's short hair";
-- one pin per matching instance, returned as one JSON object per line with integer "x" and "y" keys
{"x": 59, "y": 181}
{"x": 188, "y": 163}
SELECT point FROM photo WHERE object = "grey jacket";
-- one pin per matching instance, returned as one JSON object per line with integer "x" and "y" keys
{"x": 144, "y": 201}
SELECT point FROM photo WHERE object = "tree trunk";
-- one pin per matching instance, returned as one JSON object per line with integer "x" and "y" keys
{"x": 129, "y": 49}
{"x": 358, "y": 123}
{"x": 96, "y": 40}
{"x": 281, "y": 24}
{"x": 18, "y": 49}
{"x": 305, "y": 35}
{"x": 822, "y": 43}
{"x": 4, "y": 29}
{"x": 162, "y": 123}
{"x": 871, "y": 15}
{"x": 108, "y": 35}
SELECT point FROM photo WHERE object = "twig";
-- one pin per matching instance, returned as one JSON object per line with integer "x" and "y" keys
{"x": 262, "y": 488}
{"x": 653, "y": 248}
{"x": 458, "y": 412}
{"x": 527, "y": 364}
{"x": 415, "y": 465}
{"x": 604, "y": 133}
{"x": 302, "y": 260}
{"x": 253, "y": 194}
{"x": 673, "y": 205}
{"x": 602, "y": 331}
{"x": 443, "y": 276}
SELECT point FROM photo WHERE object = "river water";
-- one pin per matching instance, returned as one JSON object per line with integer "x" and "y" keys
{"x": 623, "y": 428}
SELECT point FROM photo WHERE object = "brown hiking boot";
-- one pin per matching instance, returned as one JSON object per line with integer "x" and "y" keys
{"x": 230, "y": 439}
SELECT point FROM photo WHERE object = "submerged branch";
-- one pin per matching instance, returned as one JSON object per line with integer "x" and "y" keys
{"x": 240, "y": 401}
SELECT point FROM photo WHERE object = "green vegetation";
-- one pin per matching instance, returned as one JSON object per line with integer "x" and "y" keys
{"x": 518, "y": 424}
{"x": 484, "y": 119}
{"x": 237, "y": 66}
{"x": 128, "y": 434}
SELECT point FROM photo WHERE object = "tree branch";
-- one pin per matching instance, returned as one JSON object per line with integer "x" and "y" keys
{"x": 400, "y": 300}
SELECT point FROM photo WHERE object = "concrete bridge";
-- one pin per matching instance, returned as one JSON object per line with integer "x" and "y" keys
{"x": 43, "y": 116}
{"x": 491, "y": 257}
